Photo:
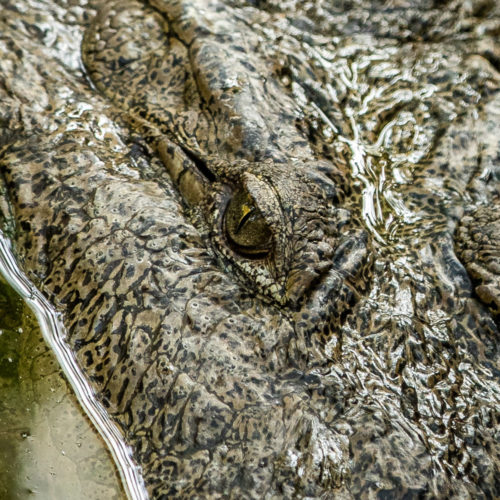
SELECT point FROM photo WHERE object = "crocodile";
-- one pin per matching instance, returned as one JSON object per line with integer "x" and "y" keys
{"x": 250, "y": 219}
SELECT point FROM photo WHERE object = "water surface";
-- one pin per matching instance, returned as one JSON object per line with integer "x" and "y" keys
{"x": 47, "y": 446}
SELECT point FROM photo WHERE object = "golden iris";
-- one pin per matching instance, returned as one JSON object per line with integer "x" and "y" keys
{"x": 246, "y": 229}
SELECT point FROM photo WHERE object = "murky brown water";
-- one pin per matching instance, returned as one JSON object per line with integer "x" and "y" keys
{"x": 47, "y": 446}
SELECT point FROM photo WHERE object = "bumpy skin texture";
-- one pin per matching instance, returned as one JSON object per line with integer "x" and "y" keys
{"x": 387, "y": 387}
{"x": 478, "y": 245}
{"x": 200, "y": 87}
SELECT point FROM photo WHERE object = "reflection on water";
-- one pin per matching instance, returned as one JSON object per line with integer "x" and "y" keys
{"x": 47, "y": 446}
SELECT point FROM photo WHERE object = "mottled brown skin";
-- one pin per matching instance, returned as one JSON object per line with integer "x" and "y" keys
{"x": 222, "y": 130}
{"x": 367, "y": 386}
{"x": 478, "y": 245}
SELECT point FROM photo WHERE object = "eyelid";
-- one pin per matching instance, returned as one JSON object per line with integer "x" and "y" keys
{"x": 264, "y": 198}
{"x": 267, "y": 201}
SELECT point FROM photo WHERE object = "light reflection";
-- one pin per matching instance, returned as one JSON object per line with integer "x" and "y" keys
{"x": 53, "y": 330}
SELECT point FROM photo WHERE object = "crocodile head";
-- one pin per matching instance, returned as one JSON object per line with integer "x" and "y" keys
{"x": 273, "y": 212}
{"x": 157, "y": 240}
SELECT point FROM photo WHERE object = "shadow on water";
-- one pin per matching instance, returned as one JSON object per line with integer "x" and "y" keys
{"x": 47, "y": 446}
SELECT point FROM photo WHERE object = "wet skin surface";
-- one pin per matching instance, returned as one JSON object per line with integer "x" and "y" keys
{"x": 231, "y": 143}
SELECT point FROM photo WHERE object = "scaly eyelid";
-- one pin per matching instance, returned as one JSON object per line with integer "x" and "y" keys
{"x": 267, "y": 201}
{"x": 264, "y": 198}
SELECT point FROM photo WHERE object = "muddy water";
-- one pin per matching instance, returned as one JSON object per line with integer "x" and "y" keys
{"x": 47, "y": 445}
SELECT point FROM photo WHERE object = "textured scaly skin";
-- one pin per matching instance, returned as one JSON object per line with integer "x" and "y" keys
{"x": 220, "y": 389}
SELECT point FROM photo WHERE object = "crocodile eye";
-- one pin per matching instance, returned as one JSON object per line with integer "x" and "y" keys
{"x": 246, "y": 229}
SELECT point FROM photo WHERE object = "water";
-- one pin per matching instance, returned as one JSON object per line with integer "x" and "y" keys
{"x": 47, "y": 446}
